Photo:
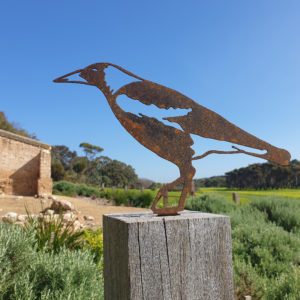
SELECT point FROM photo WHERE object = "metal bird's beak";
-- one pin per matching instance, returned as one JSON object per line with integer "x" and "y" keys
{"x": 65, "y": 79}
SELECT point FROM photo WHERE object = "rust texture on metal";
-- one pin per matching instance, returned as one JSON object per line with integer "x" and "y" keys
{"x": 169, "y": 142}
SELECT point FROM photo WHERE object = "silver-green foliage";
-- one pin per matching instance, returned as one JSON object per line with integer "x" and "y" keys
{"x": 265, "y": 245}
{"x": 30, "y": 274}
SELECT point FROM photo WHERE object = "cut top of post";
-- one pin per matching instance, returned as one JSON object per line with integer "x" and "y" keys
{"x": 151, "y": 217}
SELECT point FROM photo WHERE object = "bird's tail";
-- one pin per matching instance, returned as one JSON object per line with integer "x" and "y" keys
{"x": 208, "y": 124}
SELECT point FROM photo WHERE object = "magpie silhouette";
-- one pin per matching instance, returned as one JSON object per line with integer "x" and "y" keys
{"x": 167, "y": 141}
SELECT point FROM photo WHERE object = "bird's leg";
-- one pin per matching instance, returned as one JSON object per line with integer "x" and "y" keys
{"x": 187, "y": 187}
{"x": 187, "y": 173}
{"x": 164, "y": 192}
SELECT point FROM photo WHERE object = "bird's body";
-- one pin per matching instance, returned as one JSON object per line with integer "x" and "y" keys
{"x": 167, "y": 141}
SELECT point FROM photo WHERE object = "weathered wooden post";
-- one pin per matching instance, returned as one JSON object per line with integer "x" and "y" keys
{"x": 236, "y": 198}
{"x": 172, "y": 257}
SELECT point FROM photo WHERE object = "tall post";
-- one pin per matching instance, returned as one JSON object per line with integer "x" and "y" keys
{"x": 172, "y": 257}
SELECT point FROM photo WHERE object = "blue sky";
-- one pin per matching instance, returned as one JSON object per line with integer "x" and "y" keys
{"x": 240, "y": 59}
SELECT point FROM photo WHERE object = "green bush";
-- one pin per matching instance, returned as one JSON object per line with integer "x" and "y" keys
{"x": 134, "y": 198}
{"x": 87, "y": 191}
{"x": 211, "y": 203}
{"x": 247, "y": 281}
{"x": 51, "y": 235}
{"x": 263, "y": 256}
{"x": 285, "y": 287}
{"x": 247, "y": 215}
{"x": 144, "y": 200}
{"x": 267, "y": 247}
{"x": 67, "y": 188}
{"x": 120, "y": 197}
{"x": 28, "y": 274}
{"x": 94, "y": 242}
{"x": 266, "y": 255}
{"x": 16, "y": 256}
{"x": 284, "y": 212}
{"x": 138, "y": 198}
{"x": 108, "y": 194}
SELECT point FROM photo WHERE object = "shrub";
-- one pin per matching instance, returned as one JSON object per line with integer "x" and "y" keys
{"x": 266, "y": 257}
{"x": 285, "y": 287}
{"x": 247, "y": 281}
{"x": 120, "y": 197}
{"x": 133, "y": 196}
{"x": 140, "y": 199}
{"x": 263, "y": 256}
{"x": 67, "y": 188}
{"x": 28, "y": 274}
{"x": 94, "y": 242}
{"x": 67, "y": 275}
{"x": 211, "y": 203}
{"x": 86, "y": 191}
{"x": 284, "y": 212}
{"x": 267, "y": 247}
{"x": 108, "y": 194}
{"x": 16, "y": 256}
{"x": 52, "y": 235}
{"x": 144, "y": 200}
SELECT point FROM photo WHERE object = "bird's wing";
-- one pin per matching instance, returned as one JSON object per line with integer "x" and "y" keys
{"x": 206, "y": 123}
{"x": 148, "y": 93}
{"x": 200, "y": 120}
{"x": 166, "y": 141}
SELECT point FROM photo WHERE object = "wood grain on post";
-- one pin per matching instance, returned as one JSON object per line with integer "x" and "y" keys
{"x": 173, "y": 257}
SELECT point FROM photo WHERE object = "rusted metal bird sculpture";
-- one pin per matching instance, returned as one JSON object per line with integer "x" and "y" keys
{"x": 166, "y": 141}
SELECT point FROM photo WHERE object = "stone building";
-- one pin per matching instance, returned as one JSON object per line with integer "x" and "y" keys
{"x": 25, "y": 165}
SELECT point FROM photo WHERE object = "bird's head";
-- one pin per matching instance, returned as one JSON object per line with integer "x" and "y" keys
{"x": 278, "y": 156}
{"x": 91, "y": 75}
{"x": 94, "y": 75}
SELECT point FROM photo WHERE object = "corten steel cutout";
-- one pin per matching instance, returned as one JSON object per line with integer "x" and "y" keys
{"x": 169, "y": 142}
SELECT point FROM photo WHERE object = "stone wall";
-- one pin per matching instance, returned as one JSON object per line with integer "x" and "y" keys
{"x": 25, "y": 165}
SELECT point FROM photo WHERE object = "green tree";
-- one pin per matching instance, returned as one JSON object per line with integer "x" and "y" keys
{"x": 63, "y": 154}
{"x": 119, "y": 173}
{"x": 57, "y": 170}
{"x": 91, "y": 150}
{"x": 80, "y": 166}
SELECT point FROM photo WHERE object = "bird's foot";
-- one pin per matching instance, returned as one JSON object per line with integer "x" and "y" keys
{"x": 167, "y": 211}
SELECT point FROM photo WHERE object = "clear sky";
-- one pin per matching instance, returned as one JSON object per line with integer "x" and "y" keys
{"x": 240, "y": 59}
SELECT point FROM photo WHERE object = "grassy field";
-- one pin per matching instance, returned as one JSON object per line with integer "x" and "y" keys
{"x": 136, "y": 197}
{"x": 245, "y": 195}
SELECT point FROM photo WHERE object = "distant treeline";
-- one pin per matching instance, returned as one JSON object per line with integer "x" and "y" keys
{"x": 256, "y": 176}
{"x": 92, "y": 169}
{"x": 265, "y": 176}
{"x": 215, "y": 181}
